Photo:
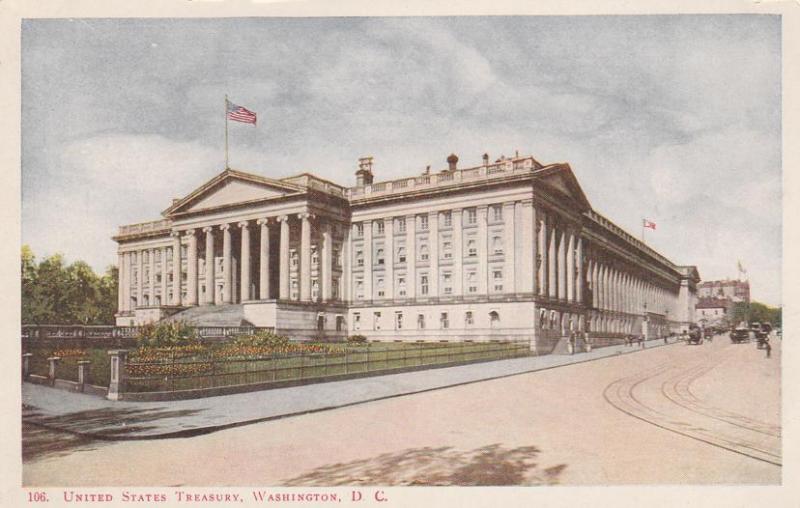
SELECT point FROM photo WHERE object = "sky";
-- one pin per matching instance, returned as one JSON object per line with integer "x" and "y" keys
{"x": 676, "y": 119}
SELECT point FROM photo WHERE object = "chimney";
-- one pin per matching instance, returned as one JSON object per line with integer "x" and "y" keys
{"x": 364, "y": 173}
{"x": 452, "y": 161}
{"x": 486, "y": 159}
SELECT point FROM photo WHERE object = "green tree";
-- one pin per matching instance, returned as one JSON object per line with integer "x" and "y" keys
{"x": 53, "y": 293}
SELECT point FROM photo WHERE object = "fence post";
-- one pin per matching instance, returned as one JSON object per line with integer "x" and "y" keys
{"x": 83, "y": 373}
{"x": 26, "y": 365}
{"x": 116, "y": 385}
{"x": 51, "y": 373}
{"x": 346, "y": 353}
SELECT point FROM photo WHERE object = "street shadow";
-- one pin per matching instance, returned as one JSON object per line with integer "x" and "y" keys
{"x": 106, "y": 422}
{"x": 40, "y": 442}
{"x": 490, "y": 465}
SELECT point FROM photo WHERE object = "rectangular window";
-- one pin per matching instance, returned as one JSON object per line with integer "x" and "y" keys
{"x": 376, "y": 320}
{"x": 472, "y": 216}
{"x": 359, "y": 289}
{"x": 469, "y": 320}
{"x": 423, "y": 284}
{"x": 447, "y": 249}
{"x": 381, "y": 290}
{"x": 447, "y": 219}
{"x": 444, "y": 321}
{"x": 472, "y": 284}
{"x": 380, "y": 226}
{"x": 401, "y": 286}
{"x": 497, "y": 244}
{"x": 379, "y": 256}
{"x": 472, "y": 248}
{"x": 401, "y": 225}
{"x": 401, "y": 254}
{"x": 359, "y": 258}
{"x": 497, "y": 213}
{"x": 421, "y": 321}
{"x": 423, "y": 222}
{"x": 359, "y": 229}
{"x": 423, "y": 252}
{"x": 357, "y": 321}
{"x": 447, "y": 283}
{"x": 398, "y": 320}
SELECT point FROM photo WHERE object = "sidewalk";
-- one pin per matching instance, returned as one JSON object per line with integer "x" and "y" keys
{"x": 103, "y": 419}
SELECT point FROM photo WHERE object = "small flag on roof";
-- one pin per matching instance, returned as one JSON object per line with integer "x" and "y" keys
{"x": 648, "y": 224}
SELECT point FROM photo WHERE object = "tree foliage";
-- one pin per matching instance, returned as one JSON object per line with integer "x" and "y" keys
{"x": 56, "y": 293}
{"x": 755, "y": 312}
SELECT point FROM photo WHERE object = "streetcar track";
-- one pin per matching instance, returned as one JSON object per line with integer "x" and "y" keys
{"x": 622, "y": 390}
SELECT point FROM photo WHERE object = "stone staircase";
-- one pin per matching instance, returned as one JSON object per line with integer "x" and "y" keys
{"x": 212, "y": 315}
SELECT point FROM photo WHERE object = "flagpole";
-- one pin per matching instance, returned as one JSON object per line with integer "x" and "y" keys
{"x": 642, "y": 230}
{"x": 226, "y": 131}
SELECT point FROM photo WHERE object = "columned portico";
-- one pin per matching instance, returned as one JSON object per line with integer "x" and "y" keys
{"x": 176, "y": 268}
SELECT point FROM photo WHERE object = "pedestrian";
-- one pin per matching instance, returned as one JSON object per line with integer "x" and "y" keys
{"x": 769, "y": 349}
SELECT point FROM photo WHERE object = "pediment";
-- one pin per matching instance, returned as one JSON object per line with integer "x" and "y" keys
{"x": 560, "y": 179}
{"x": 231, "y": 188}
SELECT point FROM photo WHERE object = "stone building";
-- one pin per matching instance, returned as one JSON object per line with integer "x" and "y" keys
{"x": 729, "y": 289}
{"x": 504, "y": 250}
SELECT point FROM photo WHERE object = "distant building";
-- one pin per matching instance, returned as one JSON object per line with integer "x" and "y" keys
{"x": 503, "y": 250}
{"x": 713, "y": 311}
{"x": 733, "y": 290}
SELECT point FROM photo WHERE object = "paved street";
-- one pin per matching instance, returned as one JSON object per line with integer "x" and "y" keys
{"x": 675, "y": 414}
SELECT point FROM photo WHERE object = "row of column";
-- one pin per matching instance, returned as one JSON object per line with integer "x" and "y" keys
{"x": 560, "y": 259}
{"x": 518, "y": 252}
{"x": 616, "y": 289}
{"x": 190, "y": 238}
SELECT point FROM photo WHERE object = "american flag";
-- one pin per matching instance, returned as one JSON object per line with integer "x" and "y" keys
{"x": 240, "y": 114}
{"x": 648, "y": 224}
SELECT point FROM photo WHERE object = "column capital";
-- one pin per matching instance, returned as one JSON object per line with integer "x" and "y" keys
{"x": 224, "y": 227}
{"x": 526, "y": 202}
{"x": 243, "y": 224}
{"x": 208, "y": 229}
{"x": 175, "y": 233}
{"x": 189, "y": 232}
{"x": 305, "y": 216}
{"x": 282, "y": 218}
{"x": 263, "y": 221}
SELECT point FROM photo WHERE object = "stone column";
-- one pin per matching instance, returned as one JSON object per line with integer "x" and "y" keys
{"x": 542, "y": 265}
{"x": 176, "y": 268}
{"x": 305, "y": 257}
{"x": 581, "y": 275}
{"x": 125, "y": 282}
{"x": 433, "y": 265}
{"x": 164, "y": 276}
{"x": 245, "y": 260}
{"x": 191, "y": 268}
{"x": 570, "y": 267}
{"x": 368, "y": 295}
{"x": 227, "y": 264}
{"x": 483, "y": 252}
{"x": 283, "y": 260}
{"x": 263, "y": 260}
{"x": 552, "y": 280}
{"x": 327, "y": 262}
{"x": 411, "y": 256}
{"x": 120, "y": 282}
{"x": 83, "y": 374}
{"x": 562, "y": 265}
{"x": 509, "y": 248}
{"x": 211, "y": 292}
{"x": 458, "y": 252}
{"x": 139, "y": 278}
{"x": 152, "y": 277}
{"x": 388, "y": 234}
{"x": 347, "y": 267}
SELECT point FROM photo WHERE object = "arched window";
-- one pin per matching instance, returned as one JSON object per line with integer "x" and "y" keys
{"x": 494, "y": 319}
{"x": 423, "y": 252}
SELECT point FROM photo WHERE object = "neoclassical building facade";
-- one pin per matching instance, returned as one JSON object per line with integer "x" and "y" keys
{"x": 504, "y": 250}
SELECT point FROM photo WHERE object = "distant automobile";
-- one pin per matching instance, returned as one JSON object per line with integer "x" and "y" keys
{"x": 740, "y": 334}
{"x": 695, "y": 335}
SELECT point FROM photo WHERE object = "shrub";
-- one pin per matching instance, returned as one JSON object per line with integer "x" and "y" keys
{"x": 167, "y": 333}
{"x": 262, "y": 339}
{"x": 356, "y": 339}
